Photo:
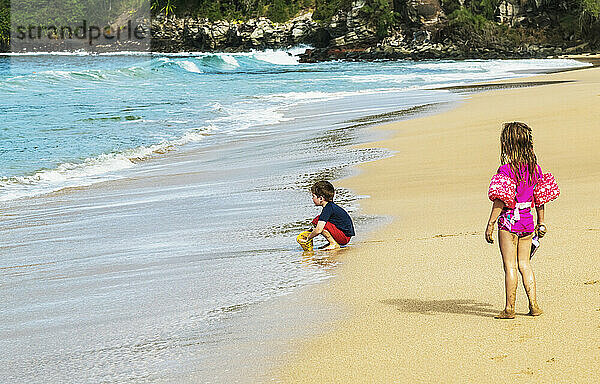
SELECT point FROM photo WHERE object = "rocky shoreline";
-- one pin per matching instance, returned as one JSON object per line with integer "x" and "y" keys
{"x": 425, "y": 34}
{"x": 523, "y": 29}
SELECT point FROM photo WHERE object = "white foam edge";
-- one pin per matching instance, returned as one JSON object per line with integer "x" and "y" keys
{"x": 91, "y": 170}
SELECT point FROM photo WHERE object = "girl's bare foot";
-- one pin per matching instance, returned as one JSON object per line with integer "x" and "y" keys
{"x": 535, "y": 311}
{"x": 505, "y": 315}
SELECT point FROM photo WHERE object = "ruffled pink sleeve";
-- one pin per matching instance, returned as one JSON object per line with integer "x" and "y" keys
{"x": 504, "y": 188}
{"x": 545, "y": 190}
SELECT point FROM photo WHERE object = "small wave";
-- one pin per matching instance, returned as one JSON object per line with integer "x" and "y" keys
{"x": 92, "y": 75}
{"x": 219, "y": 62}
{"x": 202, "y": 64}
{"x": 277, "y": 57}
{"x": 73, "y": 75}
{"x": 244, "y": 61}
{"x": 189, "y": 66}
{"x": 78, "y": 53}
{"x": 237, "y": 118}
{"x": 92, "y": 170}
{"x": 194, "y": 62}
{"x": 314, "y": 96}
{"x": 230, "y": 60}
{"x": 53, "y": 53}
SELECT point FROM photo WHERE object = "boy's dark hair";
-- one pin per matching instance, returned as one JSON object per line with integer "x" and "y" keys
{"x": 323, "y": 189}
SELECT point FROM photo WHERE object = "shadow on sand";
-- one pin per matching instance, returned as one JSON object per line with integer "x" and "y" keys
{"x": 430, "y": 307}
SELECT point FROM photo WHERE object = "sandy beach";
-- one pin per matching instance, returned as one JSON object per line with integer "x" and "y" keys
{"x": 423, "y": 290}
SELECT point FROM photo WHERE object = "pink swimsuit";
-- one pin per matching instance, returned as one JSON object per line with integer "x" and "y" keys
{"x": 520, "y": 196}
{"x": 519, "y": 219}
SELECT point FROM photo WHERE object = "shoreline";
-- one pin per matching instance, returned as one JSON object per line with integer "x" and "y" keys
{"x": 91, "y": 169}
{"x": 110, "y": 185}
{"x": 415, "y": 321}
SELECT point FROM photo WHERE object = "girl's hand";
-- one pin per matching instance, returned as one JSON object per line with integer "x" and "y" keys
{"x": 489, "y": 231}
{"x": 541, "y": 230}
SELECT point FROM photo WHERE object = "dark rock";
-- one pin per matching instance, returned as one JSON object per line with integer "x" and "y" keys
{"x": 423, "y": 33}
{"x": 424, "y": 12}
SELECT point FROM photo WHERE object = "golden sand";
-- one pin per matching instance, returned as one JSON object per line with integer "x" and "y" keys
{"x": 422, "y": 292}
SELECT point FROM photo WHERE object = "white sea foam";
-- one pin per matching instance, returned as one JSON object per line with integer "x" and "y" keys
{"x": 230, "y": 60}
{"x": 499, "y": 66}
{"x": 237, "y": 118}
{"x": 271, "y": 56}
{"x": 315, "y": 96}
{"x": 78, "y": 53}
{"x": 53, "y": 53}
{"x": 453, "y": 72}
{"x": 189, "y": 66}
{"x": 277, "y": 57}
{"x": 92, "y": 170}
{"x": 242, "y": 115}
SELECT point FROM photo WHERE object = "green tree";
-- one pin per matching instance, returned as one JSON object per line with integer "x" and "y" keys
{"x": 488, "y": 8}
{"x": 278, "y": 11}
{"x": 4, "y": 24}
{"x": 381, "y": 13}
{"x": 325, "y": 9}
{"x": 591, "y": 7}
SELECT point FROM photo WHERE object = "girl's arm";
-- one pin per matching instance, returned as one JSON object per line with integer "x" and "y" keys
{"x": 540, "y": 227}
{"x": 497, "y": 206}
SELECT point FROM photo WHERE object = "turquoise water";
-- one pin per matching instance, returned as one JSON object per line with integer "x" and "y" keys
{"x": 72, "y": 120}
{"x": 190, "y": 179}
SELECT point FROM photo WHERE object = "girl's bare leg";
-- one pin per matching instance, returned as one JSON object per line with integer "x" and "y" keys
{"x": 523, "y": 251}
{"x": 508, "y": 248}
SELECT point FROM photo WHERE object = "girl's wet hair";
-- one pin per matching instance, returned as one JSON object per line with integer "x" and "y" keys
{"x": 516, "y": 147}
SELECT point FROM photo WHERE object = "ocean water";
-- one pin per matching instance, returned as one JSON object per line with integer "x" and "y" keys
{"x": 150, "y": 202}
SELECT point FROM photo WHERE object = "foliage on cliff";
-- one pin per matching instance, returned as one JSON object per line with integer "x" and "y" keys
{"x": 4, "y": 24}
{"x": 61, "y": 13}
{"x": 475, "y": 21}
{"x": 276, "y": 10}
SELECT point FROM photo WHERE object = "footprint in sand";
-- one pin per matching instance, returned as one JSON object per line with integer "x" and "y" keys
{"x": 524, "y": 338}
{"x": 527, "y": 371}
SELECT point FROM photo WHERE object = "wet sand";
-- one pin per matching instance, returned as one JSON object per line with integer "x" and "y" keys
{"x": 421, "y": 293}
{"x": 178, "y": 271}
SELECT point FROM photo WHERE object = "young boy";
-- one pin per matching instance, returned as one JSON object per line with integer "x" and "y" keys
{"x": 333, "y": 223}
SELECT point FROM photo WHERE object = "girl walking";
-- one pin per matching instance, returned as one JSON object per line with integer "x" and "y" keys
{"x": 518, "y": 187}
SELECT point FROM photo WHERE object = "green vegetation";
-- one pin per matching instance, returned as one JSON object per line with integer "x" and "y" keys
{"x": 61, "y": 13}
{"x": 382, "y": 14}
{"x": 380, "y": 11}
{"x": 4, "y": 24}
{"x": 475, "y": 20}
{"x": 464, "y": 16}
{"x": 591, "y": 7}
{"x": 276, "y": 10}
{"x": 475, "y": 30}
{"x": 325, "y": 9}
{"x": 483, "y": 8}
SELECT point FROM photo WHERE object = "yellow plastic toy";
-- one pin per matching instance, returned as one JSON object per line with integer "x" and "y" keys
{"x": 306, "y": 245}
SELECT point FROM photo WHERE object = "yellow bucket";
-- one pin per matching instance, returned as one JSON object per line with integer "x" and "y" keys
{"x": 301, "y": 239}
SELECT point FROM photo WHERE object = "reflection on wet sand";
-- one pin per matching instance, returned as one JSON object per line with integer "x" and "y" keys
{"x": 323, "y": 259}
